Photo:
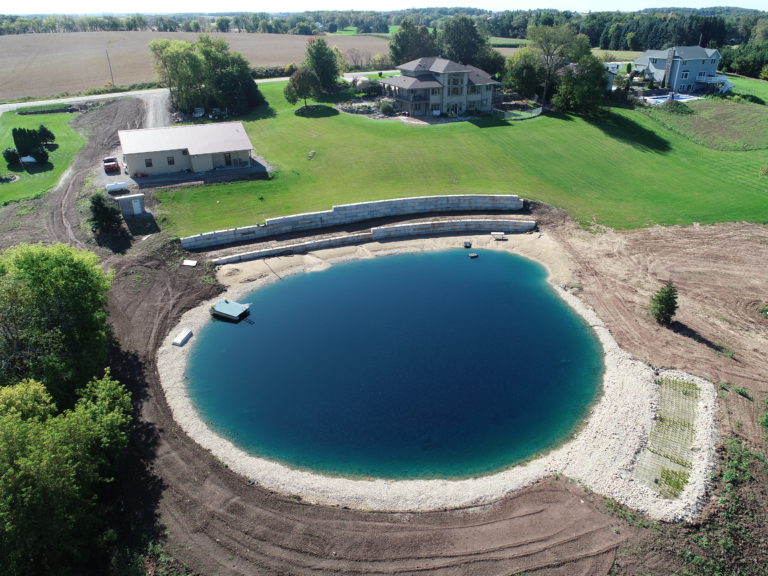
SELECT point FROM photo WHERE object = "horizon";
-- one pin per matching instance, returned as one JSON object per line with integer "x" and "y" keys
{"x": 149, "y": 8}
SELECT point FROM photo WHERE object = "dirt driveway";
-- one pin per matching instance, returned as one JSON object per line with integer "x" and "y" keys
{"x": 217, "y": 523}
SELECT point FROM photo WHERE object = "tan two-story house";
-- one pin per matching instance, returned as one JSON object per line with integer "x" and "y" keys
{"x": 434, "y": 86}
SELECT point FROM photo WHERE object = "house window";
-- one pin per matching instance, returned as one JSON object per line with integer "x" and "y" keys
{"x": 653, "y": 60}
{"x": 684, "y": 75}
{"x": 454, "y": 91}
{"x": 148, "y": 162}
{"x": 185, "y": 152}
{"x": 702, "y": 74}
{"x": 454, "y": 82}
{"x": 435, "y": 91}
{"x": 685, "y": 62}
{"x": 472, "y": 90}
{"x": 417, "y": 107}
{"x": 171, "y": 160}
{"x": 713, "y": 60}
{"x": 435, "y": 107}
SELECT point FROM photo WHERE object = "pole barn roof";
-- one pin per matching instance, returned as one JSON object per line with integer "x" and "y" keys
{"x": 197, "y": 139}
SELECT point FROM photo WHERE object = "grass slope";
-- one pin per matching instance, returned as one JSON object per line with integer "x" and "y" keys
{"x": 621, "y": 171}
{"x": 34, "y": 181}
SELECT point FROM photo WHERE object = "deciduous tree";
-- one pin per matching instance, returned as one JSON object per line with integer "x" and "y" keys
{"x": 582, "y": 86}
{"x": 53, "y": 322}
{"x": 461, "y": 41}
{"x": 53, "y": 468}
{"x": 321, "y": 59}
{"x": 411, "y": 42}
{"x": 302, "y": 84}
{"x": 523, "y": 72}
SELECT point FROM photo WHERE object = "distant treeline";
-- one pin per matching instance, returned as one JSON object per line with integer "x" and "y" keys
{"x": 646, "y": 29}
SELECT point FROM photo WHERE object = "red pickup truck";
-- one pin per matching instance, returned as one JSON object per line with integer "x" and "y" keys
{"x": 111, "y": 165}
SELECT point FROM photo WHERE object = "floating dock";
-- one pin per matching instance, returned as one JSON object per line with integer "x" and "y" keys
{"x": 229, "y": 310}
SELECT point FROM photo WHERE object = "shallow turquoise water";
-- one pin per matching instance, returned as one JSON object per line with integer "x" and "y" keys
{"x": 411, "y": 366}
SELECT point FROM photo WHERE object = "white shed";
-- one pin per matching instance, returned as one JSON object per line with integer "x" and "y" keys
{"x": 131, "y": 204}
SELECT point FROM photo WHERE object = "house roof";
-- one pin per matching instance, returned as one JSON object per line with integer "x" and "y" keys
{"x": 433, "y": 64}
{"x": 480, "y": 77}
{"x": 682, "y": 52}
{"x": 412, "y": 83}
{"x": 197, "y": 139}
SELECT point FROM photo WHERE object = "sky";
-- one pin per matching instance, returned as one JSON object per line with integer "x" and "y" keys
{"x": 171, "y": 6}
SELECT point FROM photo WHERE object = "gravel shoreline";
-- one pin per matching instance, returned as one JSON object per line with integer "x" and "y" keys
{"x": 601, "y": 454}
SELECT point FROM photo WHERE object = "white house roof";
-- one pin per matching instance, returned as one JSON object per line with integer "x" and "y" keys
{"x": 197, "y": 139}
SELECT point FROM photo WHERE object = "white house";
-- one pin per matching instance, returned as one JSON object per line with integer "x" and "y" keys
{"x": 196, "y": 148}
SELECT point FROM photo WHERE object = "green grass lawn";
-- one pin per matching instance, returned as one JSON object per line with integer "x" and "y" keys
{"x": 35, "y": 181}
{"x": 718, "y": 123}
{"x": 616, "y": 55}
{"x": 750, "y": 86}
{"x": 623, "y": 171}
{"x": 501, "y": 42}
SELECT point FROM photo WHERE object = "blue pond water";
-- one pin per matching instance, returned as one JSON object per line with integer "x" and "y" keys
{"x": 412, "y": 366}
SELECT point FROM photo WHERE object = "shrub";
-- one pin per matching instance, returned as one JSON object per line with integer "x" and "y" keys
{"x": 386, "y": 108}
{"x": 664, "y": 304}
{"x": 676, "y": 107}
{"x": 11, "y": 156}
{"x": 764, "y": 172}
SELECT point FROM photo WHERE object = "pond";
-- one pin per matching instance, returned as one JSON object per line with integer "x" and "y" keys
{"x": 430, "y": 365}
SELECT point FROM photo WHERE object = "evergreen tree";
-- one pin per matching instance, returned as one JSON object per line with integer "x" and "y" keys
{"x": 664, "y": 303}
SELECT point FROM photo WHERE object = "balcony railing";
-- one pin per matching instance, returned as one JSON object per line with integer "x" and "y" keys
{"x": 719, "y": 79}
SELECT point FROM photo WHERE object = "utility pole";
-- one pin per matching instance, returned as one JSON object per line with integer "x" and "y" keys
{"x": 111, "y": 75}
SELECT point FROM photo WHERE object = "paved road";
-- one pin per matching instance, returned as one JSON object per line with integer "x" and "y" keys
{"x": 153, "y": 97}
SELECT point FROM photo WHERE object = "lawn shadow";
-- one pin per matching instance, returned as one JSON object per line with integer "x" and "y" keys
{"x": 627, "y": 130}
{"x": 263, "y": 112}
{"x": 142, "y": 224}
{"x": 489, "y": 122}
{"x": 316, "y": 111}
{"x": 136, "y": 491}
{"x": 31, "y": 169}
{"x": 684, "y": 330}
{"x": 118, "y": 241}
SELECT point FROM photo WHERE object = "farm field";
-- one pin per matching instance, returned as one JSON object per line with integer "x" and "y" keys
{"x": 43, "y": 65}
{"x": 34, "y": 181}
{"x": 623, "y": 170}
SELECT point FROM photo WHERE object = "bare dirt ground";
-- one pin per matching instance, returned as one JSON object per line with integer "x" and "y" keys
{"x": 41, "y": 65}
{"x": 215, "y": 522}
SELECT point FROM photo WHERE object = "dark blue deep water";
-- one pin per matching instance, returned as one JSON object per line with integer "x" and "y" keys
{"x": 414, "y": 366}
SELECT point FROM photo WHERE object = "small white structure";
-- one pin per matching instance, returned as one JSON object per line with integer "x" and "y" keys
{"x": 182, "y": 337}
{"x": 116, "y": 186}
{"x": 131, "y": 204}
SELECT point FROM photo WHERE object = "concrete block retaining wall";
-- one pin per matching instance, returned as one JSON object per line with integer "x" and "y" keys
{"x": 387, "y": 233}
{"x": 348, "y": 213}
{"x": 451, "y": 227}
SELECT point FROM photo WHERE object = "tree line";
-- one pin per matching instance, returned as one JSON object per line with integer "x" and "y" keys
{"x": 646, "y": 29}
{"x": 64, "y": 420}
